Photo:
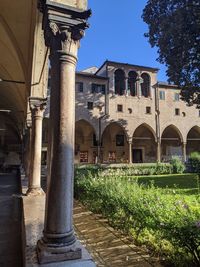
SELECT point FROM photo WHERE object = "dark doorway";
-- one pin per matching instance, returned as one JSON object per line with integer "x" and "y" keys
{"x": 137, "y": 156}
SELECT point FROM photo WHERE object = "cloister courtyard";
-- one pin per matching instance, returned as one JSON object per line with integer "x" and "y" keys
{"x": 99, "y": 166}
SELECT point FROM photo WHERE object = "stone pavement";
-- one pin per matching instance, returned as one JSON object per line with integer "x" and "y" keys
{"x": 108, "y": 247}
{"x": 11, "y": 254}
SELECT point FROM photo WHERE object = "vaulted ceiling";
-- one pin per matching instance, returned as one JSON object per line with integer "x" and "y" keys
{"x": 17, "y": 24}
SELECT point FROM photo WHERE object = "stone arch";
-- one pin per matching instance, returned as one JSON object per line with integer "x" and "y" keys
{"x": 132, "y": 82}
{"x": 171, "y": 143}
{"x": 146, "y": 84}
{"x": 114, "y": 144}
{"x": 145, "y": 125}
{"x": 120, "y": 85}
{"x": 175, "y": 128}
{"x": 144, "y": 144}
{"x": 86, "y": 143}
{"x": 193, "y": 140}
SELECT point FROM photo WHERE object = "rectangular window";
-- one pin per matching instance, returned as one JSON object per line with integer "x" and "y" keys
{"x": 119, "y": 140}
{"x": 98, "y": 88}
{"x": 162, "y": 95}
{"x": 148, "y": 110}
{"x": 120, "y": 108}
{"x": 176, "y": 96}
{"x": 79, "y": 87}
{"x": 177, "y": 111}
{"x": 90, "y": 105}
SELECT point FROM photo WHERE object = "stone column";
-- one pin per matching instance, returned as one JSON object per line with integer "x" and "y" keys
{"x": 139, "y": 93}
{"x": 158, "y": 151}
{"x": 37, "y": 107}
{"x": 27, "y": 156}
{"x": 184, "y": 151}
{"x": 128, "y": 93}
{"x": 62, "y": 36}
{"x": 130, "y": 152}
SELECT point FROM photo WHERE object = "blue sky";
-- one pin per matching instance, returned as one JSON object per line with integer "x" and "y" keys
{"x": 117, "y": 33}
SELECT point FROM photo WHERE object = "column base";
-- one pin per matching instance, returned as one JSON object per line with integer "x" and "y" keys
{"x": 48, "y": 253}
{"x": 38, "y": 191}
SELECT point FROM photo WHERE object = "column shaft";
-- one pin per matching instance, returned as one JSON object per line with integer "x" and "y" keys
{"x": 60, "y": 193}
{"x": 37, "y": 108}
{"x": 59, "y": 242}
{"x": 184, "y": 152}
{"x": 130, "y": 153}
{"x": 139, "y": 88}
{"x": 158, "y": 152}
{"x": 127, "y": 89}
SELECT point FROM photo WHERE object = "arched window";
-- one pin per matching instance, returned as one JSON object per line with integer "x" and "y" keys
{"x": 119, "y": 82}
{"x": 132, "y": 78}
{"x": 145, "y": 85}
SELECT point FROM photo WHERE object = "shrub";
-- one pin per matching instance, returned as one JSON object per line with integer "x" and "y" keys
{"x": 127, "y": 170}
{"x": 177, "y": 165}
{"x": 194, "y": 162}
{"x": 163, "y": 221}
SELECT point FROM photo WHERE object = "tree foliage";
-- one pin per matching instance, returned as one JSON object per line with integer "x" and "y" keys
{"x": 174, "y": 27}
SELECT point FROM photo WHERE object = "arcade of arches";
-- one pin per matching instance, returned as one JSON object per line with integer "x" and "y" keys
{"x": 115, "y": 145}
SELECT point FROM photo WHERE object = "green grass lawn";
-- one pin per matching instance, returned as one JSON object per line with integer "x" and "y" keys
{"x": 182, "y": 183}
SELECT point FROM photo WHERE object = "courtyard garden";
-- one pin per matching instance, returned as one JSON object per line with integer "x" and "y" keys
{"x": 155, "y": 207}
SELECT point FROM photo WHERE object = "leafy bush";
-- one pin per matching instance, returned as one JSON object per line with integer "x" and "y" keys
{"x": 177, "y": 165}
{"x": 127, "y": 170}
{"x": 194, "y": 162}
{"x": 167, "y": 223}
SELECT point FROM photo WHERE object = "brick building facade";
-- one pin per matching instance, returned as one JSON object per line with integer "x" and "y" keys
{"x": 124, "y": 115}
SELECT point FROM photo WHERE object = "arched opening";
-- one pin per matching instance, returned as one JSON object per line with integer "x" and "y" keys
{"x": 119, "y": 82}
{"x": 10, "y": 143}
{"x": 114, "y": 144}
{"x": 132, "y": 83}
{"x": 86, "y": 143}
{"x": 171, "y": 143}
{"x": 145, "y": 85}
{"x": 144, "y": 145}
{"x": 193, "y": 140}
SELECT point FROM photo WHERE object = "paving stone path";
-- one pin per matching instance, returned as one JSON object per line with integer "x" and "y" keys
{"x": 10, "y": 222}
{"x": 108, "y": 247}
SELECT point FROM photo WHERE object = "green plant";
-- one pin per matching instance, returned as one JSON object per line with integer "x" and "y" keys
{"x": 127, "y": 170}
{"x": 159, "y": 218}
{"x": 194, "y": 162}
{"x": 177, "y": 165}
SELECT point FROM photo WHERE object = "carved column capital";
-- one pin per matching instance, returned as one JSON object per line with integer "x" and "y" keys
{"x": 130, "y": 140}
{"x": 158, "y": 140}
{"x": 37, "y": 106}
{"x": 64, "y": 27}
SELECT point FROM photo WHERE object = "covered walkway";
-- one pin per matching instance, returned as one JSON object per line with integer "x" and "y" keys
{"x": 11, "y": 253}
